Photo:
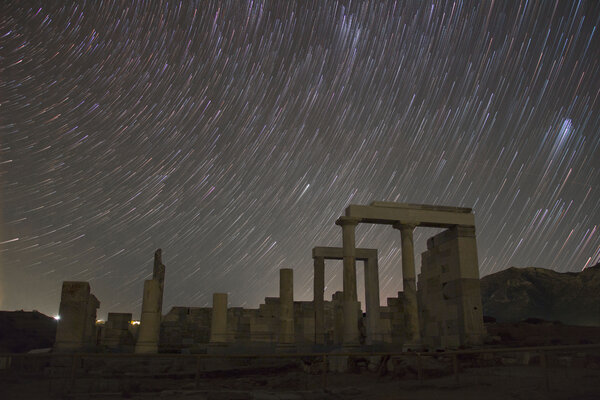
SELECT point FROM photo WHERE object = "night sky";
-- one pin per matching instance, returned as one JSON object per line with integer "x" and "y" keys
{"x": 232, "y": 136}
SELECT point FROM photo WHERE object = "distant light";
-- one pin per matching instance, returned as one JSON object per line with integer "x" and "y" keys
{"x": 135, "y": 322}
{"x": 99, "y": 321}
{"x": 57, "y": 317}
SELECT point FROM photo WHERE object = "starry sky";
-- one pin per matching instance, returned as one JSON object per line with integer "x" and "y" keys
{"x": 233, "y": 134}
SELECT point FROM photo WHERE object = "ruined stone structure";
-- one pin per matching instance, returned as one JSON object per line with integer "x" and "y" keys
{"x": 116, "y": 334}
{"x": 270, "y": 327}
{"x": 445, "y": 311}
{"x": 76, "y": 330}
{"x": 369, "y": 256}
{"x": 218, "y": 326}
{"x": 449, "y": 290}
{"x": 286, "y": 307}
{"x": 404, "y": 217}
{"x": 149, "y": 330}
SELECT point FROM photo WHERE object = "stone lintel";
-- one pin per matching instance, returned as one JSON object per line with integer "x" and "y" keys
{"x": 421, "y": 215}
{"x": 421, "y": 206}
{"x": 336, "y": 253}
{"x": 346, "y": 220}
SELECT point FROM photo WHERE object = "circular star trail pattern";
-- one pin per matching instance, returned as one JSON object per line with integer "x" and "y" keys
{"x": 233, "y": 134}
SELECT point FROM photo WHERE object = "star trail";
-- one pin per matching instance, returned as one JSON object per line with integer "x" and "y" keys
{"x": 233, "y": 134}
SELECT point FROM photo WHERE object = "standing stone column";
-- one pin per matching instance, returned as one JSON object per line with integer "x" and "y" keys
{"x": 351, "y": 333}
{"x": 318, "y": 301}
{"x": 409, "y": 281}
{"x": 149, "y": 330}
{"x": 218, "y": 326}
{"x": 372, "y": 300}
{"x": 158, "y": 273}
{"x": 286, "y": 307}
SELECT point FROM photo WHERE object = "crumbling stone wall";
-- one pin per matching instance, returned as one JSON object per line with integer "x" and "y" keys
{"x": 189, "y": 327}
{"x": 76, "y": 330}
{"x": 450, "y": 309}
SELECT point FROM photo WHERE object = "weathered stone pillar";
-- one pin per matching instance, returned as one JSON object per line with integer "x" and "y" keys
{"x": 218, "y": 326}
{"x": 286, "y": 306}
{"x": 351, "y": 333}
{"x": 337, "y": 302}
{"x": 76, "y": 327}
{"x": 149, "y": 330}
{"x": 409, "y": 281}
{"x": 372, "y": 300}
{"x": 158, "y": 273}
{"x": 318, "y": 301}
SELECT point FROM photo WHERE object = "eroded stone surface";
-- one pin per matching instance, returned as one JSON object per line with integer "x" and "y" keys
{"x": 76, "y": 328}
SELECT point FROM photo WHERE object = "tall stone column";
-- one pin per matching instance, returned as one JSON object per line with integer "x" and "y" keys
{"x": 158, "y": 273}
{"x": 218, "y": 326}
{"x": 351, "y": 333}
{"x": 372, "y": 300}
{"x": 149, "y": 331}
{"x": 318, "y": 301}
{"x": 409, "y": 281}
{"x": 286, "y": 307}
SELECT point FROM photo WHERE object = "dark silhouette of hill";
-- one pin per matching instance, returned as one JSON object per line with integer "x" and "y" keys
{"x": 516, "y": 294}
{"x": 21, "y": 331}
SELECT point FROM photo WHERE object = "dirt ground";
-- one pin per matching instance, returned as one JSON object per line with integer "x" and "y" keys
{"x": 490, "y": 383}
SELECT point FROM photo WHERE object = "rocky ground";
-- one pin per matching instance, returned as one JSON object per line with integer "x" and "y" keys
{"x": 489, "y": 383}
{"x": 575, "y": 375}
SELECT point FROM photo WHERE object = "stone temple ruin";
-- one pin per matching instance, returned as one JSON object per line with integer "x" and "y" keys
{"x": 443, "y": 312}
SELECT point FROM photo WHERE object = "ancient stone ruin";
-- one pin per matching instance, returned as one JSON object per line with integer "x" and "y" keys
{"x": 149, "y": 330}
{"x": 76, "y": 330}
{"x": 449, "y": 293}
{"x": 442, "y": 312}
{"x": 116, "y": 333}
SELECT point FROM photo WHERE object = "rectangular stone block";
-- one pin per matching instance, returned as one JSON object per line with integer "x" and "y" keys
{"x": 116, "y": 331}
{"x": 118, "y": 320}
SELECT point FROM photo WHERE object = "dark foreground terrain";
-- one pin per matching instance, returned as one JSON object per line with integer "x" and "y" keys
{"x": 520, "y": 374}
{"x": 511, "y": 367}
{"x": 490, "y": 383}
